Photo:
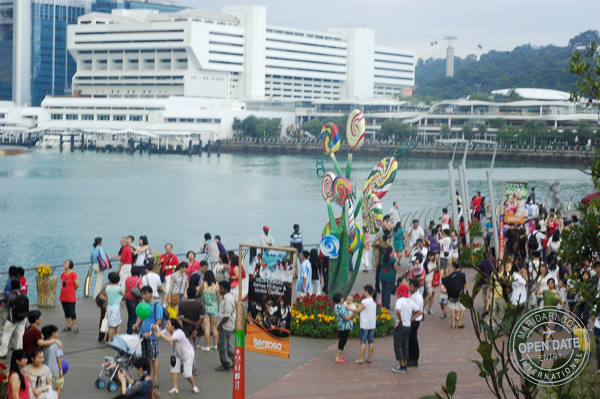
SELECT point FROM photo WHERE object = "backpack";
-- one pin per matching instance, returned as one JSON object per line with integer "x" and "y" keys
{"x": 166, "y": 315}
{"x": 19, "y": 308}
{"x": 532, "y": 242}
{"x": 454, "y": 285}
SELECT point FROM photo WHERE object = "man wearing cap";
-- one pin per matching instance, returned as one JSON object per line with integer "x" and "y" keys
{"x": 266, "y": 240}
{"x": 406, "y": 311}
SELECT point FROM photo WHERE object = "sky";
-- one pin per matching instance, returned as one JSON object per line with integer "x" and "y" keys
{"x": 415, "y": 24}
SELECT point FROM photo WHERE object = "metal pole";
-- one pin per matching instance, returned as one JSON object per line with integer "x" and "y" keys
{"x": 239, "y": 367}
{"x": 465, "y": 197}
{"x": 494, "y": 216}
{"x": 453, "y": 196}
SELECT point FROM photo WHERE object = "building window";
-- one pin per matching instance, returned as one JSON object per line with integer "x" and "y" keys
{"x": 135, "y": 118}
{"x": 118, "y": 117}
{"x": 56, "y": 117}
{"x": 87, "y": 117}
{"x": 171, "y": 120}
{"x": 202, "y": 120}
{"x": 103, "y": 117}
{"x": 186, "y": 120}
{"x": 72, "y": 117}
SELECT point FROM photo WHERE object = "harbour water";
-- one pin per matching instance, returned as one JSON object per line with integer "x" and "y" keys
{"x": 52, "y": 205}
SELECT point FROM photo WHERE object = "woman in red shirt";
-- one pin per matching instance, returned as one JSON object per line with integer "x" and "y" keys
{"x": 131, "y": 301}
{"x": 68, "y": 295}
{"x": 193, "y": 263}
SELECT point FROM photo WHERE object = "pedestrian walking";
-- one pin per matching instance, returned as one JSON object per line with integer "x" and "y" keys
{"x": 100, "y": 264}
{"x": 226, "y": 326}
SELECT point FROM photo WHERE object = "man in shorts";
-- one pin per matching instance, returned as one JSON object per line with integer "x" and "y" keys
{"x": 457, "y": 310}
{"x": 149, "y": 341}
{"x": 368, "y": 315}
{"x": 445, "y": 242}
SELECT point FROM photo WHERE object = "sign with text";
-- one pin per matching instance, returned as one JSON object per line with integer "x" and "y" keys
{"x": 515, "y": 196}
{"x": 269, "y": 304}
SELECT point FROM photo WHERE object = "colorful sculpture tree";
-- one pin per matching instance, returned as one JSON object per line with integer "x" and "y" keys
{"x": 342, "y": 237}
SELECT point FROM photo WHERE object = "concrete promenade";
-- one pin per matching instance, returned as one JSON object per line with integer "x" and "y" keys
{"x": 310, "y": 371}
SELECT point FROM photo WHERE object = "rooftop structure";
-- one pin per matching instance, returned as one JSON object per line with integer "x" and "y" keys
{"x": 230, "y": 55}
{"x": 536, "y": 94}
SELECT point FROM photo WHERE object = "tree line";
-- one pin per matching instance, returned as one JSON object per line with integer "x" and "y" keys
{"x": 526, "y": 66}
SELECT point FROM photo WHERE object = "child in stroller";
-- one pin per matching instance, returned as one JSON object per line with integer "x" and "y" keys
{"x": 128, "y": 348}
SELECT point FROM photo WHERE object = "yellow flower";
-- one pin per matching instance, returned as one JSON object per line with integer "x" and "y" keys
{"x": 312, "y": 316}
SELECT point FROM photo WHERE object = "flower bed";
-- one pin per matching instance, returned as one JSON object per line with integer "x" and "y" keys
{"x": 472, "y": 255}
{"x": 312, "y": 316}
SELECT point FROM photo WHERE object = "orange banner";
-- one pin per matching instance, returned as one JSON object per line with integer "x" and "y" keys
{"x": 262, "y": 341}
{"x": 511, "y": 218}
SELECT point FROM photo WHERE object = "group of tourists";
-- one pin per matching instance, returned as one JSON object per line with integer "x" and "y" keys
{"x": 36, "y": 364}
{"x": 432, "y": 264}
{"x": 188, "y": 300}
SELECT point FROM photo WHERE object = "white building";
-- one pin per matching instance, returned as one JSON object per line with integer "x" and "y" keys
{"x": 232, "y": 55}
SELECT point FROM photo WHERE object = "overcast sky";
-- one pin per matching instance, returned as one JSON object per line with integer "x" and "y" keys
{"x": 495, "y": 25}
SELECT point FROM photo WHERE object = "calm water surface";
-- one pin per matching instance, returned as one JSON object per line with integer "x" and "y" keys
{"x": 52, "y": 205}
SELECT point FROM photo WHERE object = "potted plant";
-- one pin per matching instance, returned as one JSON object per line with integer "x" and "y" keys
{"x": 46, "y": 286}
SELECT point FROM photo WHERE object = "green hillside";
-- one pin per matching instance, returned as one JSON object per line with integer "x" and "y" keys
{"x": 525, "y": 66}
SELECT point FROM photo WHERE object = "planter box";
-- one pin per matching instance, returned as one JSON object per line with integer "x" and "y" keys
{"x": 46, "y": 291}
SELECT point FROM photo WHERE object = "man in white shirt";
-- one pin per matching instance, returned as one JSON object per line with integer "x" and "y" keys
{"x": 445, "y": 242}
{"x": 151, "y": 280}
{"x": 534, "y": 210}
{"x": 368, "y": 317}
{"x": 266, "y": 240}
{"x": 415, "y": 233}
{"x": 394, "y": 214}
{"x": 413, "y": 340}
{"x": 406, "y": 311}
{"x": 304, "y": 284}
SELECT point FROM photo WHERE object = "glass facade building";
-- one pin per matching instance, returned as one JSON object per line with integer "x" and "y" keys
{"x": 108, "y": 5}
{"x": 51, "y": 66}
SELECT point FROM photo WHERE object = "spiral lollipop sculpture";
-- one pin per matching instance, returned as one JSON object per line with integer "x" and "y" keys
{"x": 342, "y": 236}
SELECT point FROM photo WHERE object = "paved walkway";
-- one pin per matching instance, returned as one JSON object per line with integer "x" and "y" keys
{"x": 442, "y": 350}
{"x": 310, "y": 371}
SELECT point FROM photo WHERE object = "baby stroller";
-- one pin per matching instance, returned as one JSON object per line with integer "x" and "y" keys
{"x": 128, "y": 348}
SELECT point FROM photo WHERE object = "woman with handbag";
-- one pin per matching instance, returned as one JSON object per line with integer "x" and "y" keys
{"x": 40, "y": 376}
{"x": 100, "y": 264}
{"x": 183, "y": 353}
{"x": 133, "y": 285}
{"x": 177, "y": 287}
